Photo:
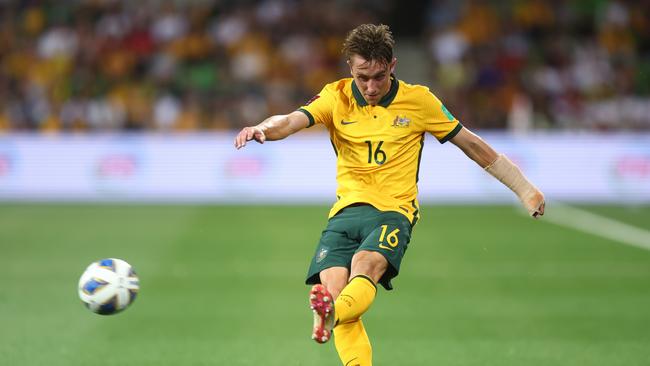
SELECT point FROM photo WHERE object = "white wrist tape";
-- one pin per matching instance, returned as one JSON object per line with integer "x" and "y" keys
{"x": 511, "y": 176}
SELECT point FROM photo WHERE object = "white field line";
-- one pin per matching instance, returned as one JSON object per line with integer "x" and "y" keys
{"x": 594, "y": 224}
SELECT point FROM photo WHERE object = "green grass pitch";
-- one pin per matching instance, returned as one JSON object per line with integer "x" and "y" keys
{"x": 223, "y": 285}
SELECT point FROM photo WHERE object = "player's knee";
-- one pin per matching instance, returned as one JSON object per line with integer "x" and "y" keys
{"x": 335, "y": 289}
{"x": 334, "y": 279}
{"x": 370, "y": 264}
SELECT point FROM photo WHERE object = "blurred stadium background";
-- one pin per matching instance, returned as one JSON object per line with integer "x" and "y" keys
{"x": 116, "y": 127}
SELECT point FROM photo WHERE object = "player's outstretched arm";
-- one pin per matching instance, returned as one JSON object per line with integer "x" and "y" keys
{"x": 500, "y": 167}
{"x": 273, "y": 128}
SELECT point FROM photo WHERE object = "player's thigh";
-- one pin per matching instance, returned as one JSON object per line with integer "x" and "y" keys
{"x": 335, "y": 249}
{"x": 387, "y": 233}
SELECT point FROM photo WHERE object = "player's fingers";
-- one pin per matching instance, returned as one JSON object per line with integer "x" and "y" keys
{"x": 240, "y": 139}
{"x": 237, "y": 141}
{"x": 250, "y": 133}
{"x": 534, "y": 204}
{"x": 539, "y": 212}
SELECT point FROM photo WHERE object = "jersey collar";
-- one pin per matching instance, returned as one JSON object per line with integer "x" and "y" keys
{"x": 385, "y": 101}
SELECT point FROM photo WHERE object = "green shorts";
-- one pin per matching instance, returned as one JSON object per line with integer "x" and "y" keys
{"x": 357, "y": 228}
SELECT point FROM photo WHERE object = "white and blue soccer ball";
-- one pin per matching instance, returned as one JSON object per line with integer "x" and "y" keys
{"x": 108, "y": 286}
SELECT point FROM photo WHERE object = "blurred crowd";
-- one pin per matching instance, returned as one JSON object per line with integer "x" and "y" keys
{"x": 105, "y": 65}
{"x": 113, "y": 65}
{"x": 579, "y": 65}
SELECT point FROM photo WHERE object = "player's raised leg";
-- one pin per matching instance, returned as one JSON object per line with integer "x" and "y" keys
{"x": 351, "y": 340}
{"x": 321, "y": 301}
{"x": 352, "y": 343}
{"x": 322, "y": 304}
{"x": 357, "y": 296}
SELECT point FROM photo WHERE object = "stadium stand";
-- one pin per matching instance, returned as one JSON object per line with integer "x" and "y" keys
{"x": 110, "y": 65}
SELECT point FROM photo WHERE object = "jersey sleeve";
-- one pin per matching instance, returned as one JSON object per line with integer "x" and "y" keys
{"x": 438, "y": 120}
{"x": 319, "y": 108}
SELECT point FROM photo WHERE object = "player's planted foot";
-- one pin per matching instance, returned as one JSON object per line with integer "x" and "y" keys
{"x": 322, "y": 304}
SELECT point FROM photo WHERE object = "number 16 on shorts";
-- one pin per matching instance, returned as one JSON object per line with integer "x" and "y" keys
{"x": 388, "y": 240}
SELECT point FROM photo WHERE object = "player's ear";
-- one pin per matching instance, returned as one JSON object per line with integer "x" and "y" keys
{"x": 392, "y": 64}
{"x": 350, "y": 65}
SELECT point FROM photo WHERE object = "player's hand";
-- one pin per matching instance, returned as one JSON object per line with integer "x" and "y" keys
{"x": 248, "y": 134}
{"x": 540, "y": 211}
{"x": 535, "y": 204}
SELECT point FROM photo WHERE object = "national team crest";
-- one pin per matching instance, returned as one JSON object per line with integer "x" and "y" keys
{"x": 401, "y": 121}
{"x": 321, "y": 255}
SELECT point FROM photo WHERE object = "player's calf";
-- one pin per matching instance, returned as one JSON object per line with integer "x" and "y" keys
{"x": 322, "y": 304}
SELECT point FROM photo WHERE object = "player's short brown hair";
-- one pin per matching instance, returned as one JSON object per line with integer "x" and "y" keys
{"x": 371, "y": 42}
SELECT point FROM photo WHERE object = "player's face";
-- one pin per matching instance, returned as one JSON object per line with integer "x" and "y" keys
{"x": 372, "y": 77}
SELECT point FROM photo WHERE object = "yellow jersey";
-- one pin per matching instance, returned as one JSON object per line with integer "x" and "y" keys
{"x": 379, "y": 147}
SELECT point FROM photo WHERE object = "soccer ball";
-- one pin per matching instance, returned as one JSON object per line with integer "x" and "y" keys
{"x": 108, "y": 286}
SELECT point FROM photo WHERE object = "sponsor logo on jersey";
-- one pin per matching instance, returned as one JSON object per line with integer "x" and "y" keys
{"x": 347, "y": 122}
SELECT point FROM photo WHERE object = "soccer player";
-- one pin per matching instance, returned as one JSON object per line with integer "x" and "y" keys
{"x": 377, "y": 125}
